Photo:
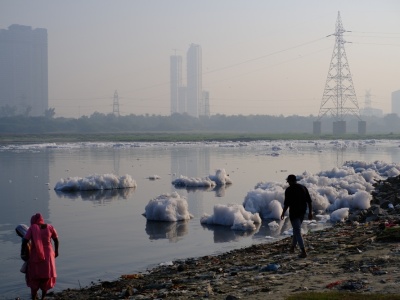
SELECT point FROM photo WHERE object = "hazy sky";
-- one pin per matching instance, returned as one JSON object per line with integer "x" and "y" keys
{"x": 259, "y": 57}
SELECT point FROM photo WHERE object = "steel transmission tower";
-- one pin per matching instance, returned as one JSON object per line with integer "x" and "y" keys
{"x": 116, "y": 104}
{"x": 339, "y": 99}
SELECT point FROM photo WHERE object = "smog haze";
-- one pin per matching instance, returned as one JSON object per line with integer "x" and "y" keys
{"x": 258, "y": 57}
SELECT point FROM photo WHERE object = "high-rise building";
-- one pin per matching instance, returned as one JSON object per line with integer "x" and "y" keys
{"x": 189, "y": 99}
{"x": 194, "y": 80}
{"x": 175, "y": 81}
{"x": 396, "y": 102}
{"x": 24, "y": 69}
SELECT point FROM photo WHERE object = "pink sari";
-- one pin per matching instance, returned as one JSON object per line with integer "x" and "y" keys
{"x": 41, "y": 264}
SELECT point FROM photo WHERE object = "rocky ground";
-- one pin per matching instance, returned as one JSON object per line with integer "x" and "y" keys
{"x": 361, "y": 255}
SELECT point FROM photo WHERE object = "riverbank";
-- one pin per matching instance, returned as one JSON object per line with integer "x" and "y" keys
{"x": 174, "y": 137}
{"x": 348, "y": 257}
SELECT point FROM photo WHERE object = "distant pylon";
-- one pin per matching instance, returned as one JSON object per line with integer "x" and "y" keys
{"x": 116, "y": 104}
{"x": 339, "y": 98}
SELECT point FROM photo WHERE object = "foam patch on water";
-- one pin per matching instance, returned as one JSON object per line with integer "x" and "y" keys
{"x": 168, "y": 207}
{"x": 221, "y": 178}
{"x": 95, "y": 182}
{"x": 233, "y": 215}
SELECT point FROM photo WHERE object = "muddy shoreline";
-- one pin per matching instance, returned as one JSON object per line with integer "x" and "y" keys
{"x": 348, "y": 257}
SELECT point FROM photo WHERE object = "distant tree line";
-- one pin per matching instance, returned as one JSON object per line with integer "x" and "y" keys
{"x": 109, "y": 123}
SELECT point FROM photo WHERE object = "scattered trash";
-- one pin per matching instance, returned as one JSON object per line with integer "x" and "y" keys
{"x": 270, "y": 267}
{"x": 333, "y": 284}
{"x": 352, "y": 285}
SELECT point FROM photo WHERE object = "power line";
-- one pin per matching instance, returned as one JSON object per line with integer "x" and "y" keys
{"x": 377, "y": 44}
{"x": 264, "y": 56}
{"x": 375, "y": 32}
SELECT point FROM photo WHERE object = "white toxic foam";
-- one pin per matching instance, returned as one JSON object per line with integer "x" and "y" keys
{"x": 340, "y": 214}
{"x": 349, "y": 187}
{"x": 95, "y": 182}
{"x": 232, "y": 215}
{"x": 167, "y": 207}
{"x": 219, "y": 179}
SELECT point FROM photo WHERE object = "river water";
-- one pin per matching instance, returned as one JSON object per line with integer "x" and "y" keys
{"x": 104, "y": 234}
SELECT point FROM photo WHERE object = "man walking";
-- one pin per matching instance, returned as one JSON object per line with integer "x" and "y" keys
{"x": 297, "y": 198}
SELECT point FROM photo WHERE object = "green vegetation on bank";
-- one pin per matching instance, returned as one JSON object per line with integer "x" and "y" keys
{"x": 175, "y": 137}
{"x": 184, "y": 125}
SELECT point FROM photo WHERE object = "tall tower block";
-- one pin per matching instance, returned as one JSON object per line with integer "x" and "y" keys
{"x": 24, "y": 70}
{"x": 339, "y": 98}
{"x": 194, "y": 80}
{"x": 175, "y": 82}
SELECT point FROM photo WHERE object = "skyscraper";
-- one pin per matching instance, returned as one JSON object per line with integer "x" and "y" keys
{"x": 175, "y": 82}
{"x": 24, "y": 70}
{"x": 189, "y": 98}
{"x": 194, "y": 80}
{"x": 396, "y": 102}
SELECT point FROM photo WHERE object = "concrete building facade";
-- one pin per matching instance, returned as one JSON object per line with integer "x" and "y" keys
{"x": 24, "y": 70}
{"x": 189, "y": 98}
{"x": 194, "y": 80}
{"x": 175, "y": 81}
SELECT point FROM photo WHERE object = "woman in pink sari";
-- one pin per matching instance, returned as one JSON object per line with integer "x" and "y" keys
{"x": 41, "y": 263}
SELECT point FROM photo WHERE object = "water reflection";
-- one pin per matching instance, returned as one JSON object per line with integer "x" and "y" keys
{"x": 219, "y": 190}
{"x": 192, "y": 162}
{"x": 24, "y": 181}
{"x": 173, "y": 231}
{"x": 223, "y": 234}
{"x": 103, "y": 196}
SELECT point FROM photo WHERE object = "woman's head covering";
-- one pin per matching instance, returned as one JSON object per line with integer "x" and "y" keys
{"x": 36, "y": 221}
{"x": 21, "y": 229}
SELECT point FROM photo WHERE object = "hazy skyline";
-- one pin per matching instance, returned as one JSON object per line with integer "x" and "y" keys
{"x": 259, "y": 57}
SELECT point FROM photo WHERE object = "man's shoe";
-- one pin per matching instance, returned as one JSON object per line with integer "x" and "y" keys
{"x": 291, "y": 250}
{"x": 303, "y": 255}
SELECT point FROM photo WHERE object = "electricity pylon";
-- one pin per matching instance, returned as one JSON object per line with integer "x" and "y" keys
{"x": 116, "y": 104}
{"x": 339, "y": 98}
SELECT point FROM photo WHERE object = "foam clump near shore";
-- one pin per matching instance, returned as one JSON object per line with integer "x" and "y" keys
{"x": 167, "y": 208}
{"x": 348, "y": 187}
